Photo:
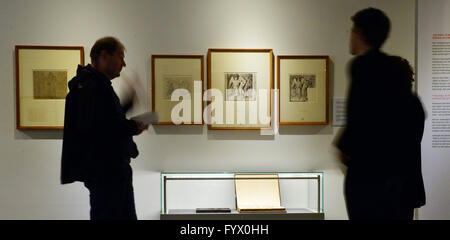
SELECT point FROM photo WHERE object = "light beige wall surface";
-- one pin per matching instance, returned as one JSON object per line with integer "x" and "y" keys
{"x": 30, "y": 160}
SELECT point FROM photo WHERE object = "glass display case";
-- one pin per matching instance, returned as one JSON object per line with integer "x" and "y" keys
{"x": 212, "y": 196}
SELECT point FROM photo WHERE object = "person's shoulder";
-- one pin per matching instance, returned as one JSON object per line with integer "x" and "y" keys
{"x": 84, "y": 72}
{"x": 366, "y": 58}
{"x": 80, "y": 80}
{"x": 399, "y": 62}
{"x": 85, "y": 75}
{"x": 379, "y": 58}
{"x": 402, "y": 67}
{"x": 88, "y": 79}
{"x": 360, "y": 62}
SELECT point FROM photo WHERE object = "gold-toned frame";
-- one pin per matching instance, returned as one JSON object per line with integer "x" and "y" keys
{"x": 271, "y": 75}
{"x": 325, "y": 93}
{"x": 153, "y": 59}
{"x": 18, "y": 69}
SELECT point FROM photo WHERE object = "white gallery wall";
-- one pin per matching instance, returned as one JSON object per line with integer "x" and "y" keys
{"x": 30, "y": 160}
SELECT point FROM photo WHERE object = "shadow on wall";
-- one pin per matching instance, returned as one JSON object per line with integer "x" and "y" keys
{"x": 178, "y": 129}
{"x": 238, "y": 135}
{"x": 38, "y": 134}
{"x": 306, "y": 130}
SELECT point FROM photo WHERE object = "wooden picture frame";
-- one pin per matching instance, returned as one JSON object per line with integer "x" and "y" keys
{"x": 242, "y": 107}
{"x": 303, "y": 83}
{"x": 42, "y": 74}
{"x": 171, "y": 72}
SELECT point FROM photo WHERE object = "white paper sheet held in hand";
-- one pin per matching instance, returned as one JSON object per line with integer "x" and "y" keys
{"x": 146, "y": 118}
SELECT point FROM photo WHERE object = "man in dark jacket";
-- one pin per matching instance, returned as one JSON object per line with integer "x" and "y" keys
{"x": 385, "y": 122}
{"x": 98, "y": 142}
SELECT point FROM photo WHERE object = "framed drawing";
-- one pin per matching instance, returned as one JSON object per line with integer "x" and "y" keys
{"x": 240, "y": 83}
{"x": 303, "y": 90}
{"x": 178, "y": 77}
{"x": 42, "y": 74}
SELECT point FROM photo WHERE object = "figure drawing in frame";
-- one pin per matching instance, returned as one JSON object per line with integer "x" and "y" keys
{"x": 173, "y": 82}
{"x": 240, "y": 86}
{"x": 299, "y": 86}
{"x": 50, "y": 84}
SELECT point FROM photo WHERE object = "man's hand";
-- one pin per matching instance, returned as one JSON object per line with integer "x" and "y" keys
{"x": 141, "y": 127}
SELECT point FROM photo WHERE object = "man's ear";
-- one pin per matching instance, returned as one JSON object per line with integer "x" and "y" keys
{"x": 102, "y": 57}
{"x": 104, "y": 54}
{"x": 359, "y": 33}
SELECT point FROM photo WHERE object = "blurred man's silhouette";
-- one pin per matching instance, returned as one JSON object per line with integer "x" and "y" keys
{"x": 385, "y": 123}
{"x": 98, "y": 138}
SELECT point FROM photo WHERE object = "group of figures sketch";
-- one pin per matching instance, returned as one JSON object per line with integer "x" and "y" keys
{"x": 49, "y": 84}
{"x": 174, "y": 82}
{"x": 299, "y": 85}
{"x": 240, "y": 86}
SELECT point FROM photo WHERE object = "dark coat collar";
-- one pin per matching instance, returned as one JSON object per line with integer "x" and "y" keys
{"x": 98, "y": 74}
